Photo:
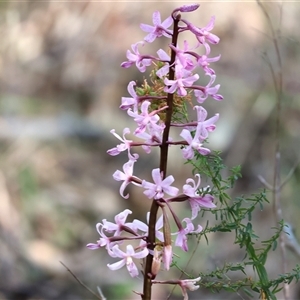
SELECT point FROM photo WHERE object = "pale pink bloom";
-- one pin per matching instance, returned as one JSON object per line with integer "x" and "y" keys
{"x": 182, "y": 57}
{"x": 183, "y": 79}
{"x": 159, "y": 29}
{"x": 202, "y": 125}
{"x": 195, "y": 199}
{"x": 203, "y": 93}
{"x": 188, "y": 284}
{"x": 163, "y": 55}
{"x": 127, "y": 259}
{"x": 104, "y": 241}
{"x": 181, "y": 240}
{"x": 141, "y": 61}
{"x": 205, "y": 126}
{"x": 185, "y": 284}
{"x": 144, "y": 118}
{"x": 193, "y": 144}
{"x": 163, "y": 71}
{"x": 145, "y": 229}
{"x": 118, "y": 227}
{"x": 203, "y": 35}
{"x": 151, "y": 138}
{"x": 204, "y": 61}
{"x": 128, "y": 102}
{"x": 157, "y": 189}
{"x": 125, "y": 176}
{"x": 125, "y": 145}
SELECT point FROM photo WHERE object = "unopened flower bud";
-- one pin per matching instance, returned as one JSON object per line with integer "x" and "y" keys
{"x": 166, "y": 229}
{"x": 155, "y": 263}
{"x": 167, "y": 256}
{"x": 188, "y": 8}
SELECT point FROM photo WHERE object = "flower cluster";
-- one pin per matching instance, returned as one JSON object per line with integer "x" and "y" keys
{"x": 153, "y": 109}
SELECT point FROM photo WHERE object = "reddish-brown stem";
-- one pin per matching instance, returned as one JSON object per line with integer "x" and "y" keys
{"x": 147, "y": 289}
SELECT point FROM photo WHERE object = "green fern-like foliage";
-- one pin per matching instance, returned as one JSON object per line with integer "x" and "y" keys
{"x": 235, "y": 216}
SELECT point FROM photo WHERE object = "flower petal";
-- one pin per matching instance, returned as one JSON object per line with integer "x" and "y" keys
{"x": 117, "y": 265}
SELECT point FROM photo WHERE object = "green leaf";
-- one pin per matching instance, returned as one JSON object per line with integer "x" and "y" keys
{"x": 274, "y": 245}
{"x": 247, "y": 292}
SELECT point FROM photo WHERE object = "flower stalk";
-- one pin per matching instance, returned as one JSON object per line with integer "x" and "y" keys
{"x": 155, "y": 109}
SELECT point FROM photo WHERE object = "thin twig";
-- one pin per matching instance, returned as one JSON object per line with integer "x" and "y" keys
{"x": 292, "y": 171}
{"x": 292, "y": 242}
{"x": 277, "y": 185}
{"x": 265, "y": 183}
{"x": 81, "y": 283}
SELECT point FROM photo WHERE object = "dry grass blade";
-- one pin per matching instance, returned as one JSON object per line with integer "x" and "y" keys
{"x": 81, "y": 283}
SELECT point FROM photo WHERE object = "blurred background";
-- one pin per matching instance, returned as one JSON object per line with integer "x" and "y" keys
{"x": 60, "y": 88}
